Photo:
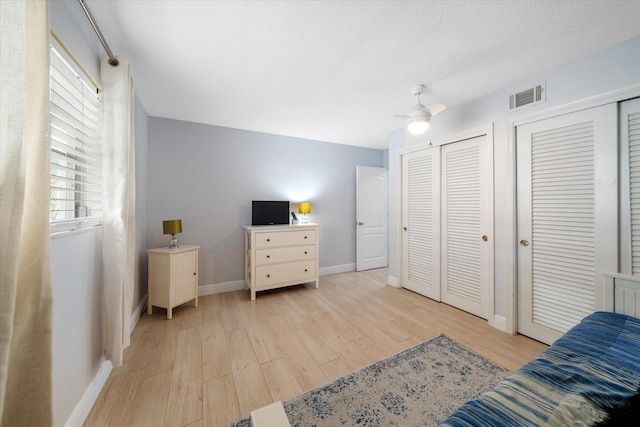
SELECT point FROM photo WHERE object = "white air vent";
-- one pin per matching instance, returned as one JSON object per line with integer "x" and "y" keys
{"x": 534, "y": 95}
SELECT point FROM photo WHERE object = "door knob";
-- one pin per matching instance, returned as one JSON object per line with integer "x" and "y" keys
{"x": 360, "y": 223}
{"x": 524, "y": 243}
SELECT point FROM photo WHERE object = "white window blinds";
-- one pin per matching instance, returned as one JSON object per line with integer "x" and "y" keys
{"x": 76, "y": 146}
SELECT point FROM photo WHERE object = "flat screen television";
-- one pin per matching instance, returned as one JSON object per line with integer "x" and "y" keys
{"x": 269, "y": 212}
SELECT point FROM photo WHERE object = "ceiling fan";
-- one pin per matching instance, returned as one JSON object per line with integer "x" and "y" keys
{"x": 419, "y": 116}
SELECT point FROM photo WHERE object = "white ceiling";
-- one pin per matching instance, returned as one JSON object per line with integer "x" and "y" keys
{"x": 338, "y": 71}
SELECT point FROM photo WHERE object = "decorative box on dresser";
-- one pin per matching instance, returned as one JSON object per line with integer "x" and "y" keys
{"x": 173, "y": 277}
{"x": 280, "y": 255}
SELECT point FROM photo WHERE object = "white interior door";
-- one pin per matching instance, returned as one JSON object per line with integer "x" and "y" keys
{"x": 467, "y": 224}
{"x": 421, "y": 222}
{"x": 567, "y": 217}
{"x": 371, "y": 214}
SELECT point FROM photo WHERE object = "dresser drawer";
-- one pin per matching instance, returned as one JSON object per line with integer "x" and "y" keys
{"x": 285, "y": 254}
{"x": 285, "y": 238}
{"x": 283, "y": 273}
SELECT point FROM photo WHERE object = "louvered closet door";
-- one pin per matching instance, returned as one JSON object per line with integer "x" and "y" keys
{"x": 630, "y": 187}
{"x": 421, "y": 222}
{"x": 466, "y": 217}
{"x": 567, "y": 217}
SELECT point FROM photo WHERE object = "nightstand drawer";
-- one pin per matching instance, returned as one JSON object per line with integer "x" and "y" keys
{"x": 283, "y": 273}
{"x": 285, "y": 238}
{"x": 286, "y": 254}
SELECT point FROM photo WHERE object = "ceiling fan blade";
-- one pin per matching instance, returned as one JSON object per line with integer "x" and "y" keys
{"x": 435, "y": 109}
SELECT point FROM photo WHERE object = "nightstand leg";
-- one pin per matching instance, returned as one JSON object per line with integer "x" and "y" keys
{"x": 169, "y": 313}
{"x": 149, "y": 308}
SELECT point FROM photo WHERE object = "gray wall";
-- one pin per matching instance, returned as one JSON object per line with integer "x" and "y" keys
{"x": 141, "y": 130}
{"x": 613, "y": 69}
{"x": 208, "y": 175}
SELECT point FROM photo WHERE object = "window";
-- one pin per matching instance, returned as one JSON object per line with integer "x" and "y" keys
{"x": 76, "y": 145}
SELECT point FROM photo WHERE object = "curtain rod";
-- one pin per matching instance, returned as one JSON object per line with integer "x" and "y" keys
{"x": 113, "y": 61}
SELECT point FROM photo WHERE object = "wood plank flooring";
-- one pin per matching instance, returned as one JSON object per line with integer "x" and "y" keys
{"x": 212, "y": 364}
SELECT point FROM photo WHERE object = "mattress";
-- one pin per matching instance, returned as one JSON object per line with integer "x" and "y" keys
{"x": 591, "y": 369}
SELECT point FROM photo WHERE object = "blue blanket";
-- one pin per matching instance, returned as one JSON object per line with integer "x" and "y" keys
{"x": 593, "y": 367}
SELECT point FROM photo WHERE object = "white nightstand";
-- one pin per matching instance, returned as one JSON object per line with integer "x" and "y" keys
{"x": 173, "y": 277}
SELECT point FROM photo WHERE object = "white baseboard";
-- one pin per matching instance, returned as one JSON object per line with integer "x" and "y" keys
{"x": 135, "y": 316}
{"x": 82, "y": 409}
{"x": 219, "y": 288}
{"x": 500, "y": 323}
{"x": 344, "y": 268}
{"x": 393, "y": 281}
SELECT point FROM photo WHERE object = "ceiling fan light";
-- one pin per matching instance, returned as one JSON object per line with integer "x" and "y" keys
{"x": 418, "y": 125}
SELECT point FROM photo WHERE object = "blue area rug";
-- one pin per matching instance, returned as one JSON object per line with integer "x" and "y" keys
{"x": 418, "y": 387}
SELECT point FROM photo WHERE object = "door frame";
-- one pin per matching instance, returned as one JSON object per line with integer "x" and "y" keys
{"x": 511, "y": 325}
{"x": 449, "y": 139}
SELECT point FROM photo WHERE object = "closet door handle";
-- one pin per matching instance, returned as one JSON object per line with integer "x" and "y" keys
{"x": 524, "y": 243}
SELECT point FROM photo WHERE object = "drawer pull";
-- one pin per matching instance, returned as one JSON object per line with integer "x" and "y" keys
{"x": 305, "y": 252}
{"x": 305, "y": 270}
{"x": 268, "y": 240}
{"x": 194, "y": 274}
{"x": 305, "y": 237}
{"x": 268, "y": 275}
{"x": 268, "y": 256}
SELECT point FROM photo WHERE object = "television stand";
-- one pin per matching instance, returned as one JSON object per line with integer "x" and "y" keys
{"x": 280, "y": 255}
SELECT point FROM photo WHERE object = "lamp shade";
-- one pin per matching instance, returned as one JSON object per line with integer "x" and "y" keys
{"x": 304, "y": 208}
{"x": 172, "y": 226}
{"x": 417, "y": 125}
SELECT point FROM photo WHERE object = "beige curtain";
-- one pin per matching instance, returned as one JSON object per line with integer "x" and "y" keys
{"x": 118, "y": 205}
{"x": 25, "y": 283}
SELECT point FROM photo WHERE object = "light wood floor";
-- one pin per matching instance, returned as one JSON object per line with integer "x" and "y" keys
{"x": 215, "y": 363}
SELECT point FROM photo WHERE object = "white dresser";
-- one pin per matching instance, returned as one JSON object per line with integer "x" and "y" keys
{"x": 280, "y": 255}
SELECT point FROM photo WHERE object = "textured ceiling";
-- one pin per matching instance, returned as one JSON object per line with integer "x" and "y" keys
{"x": 338, "y": 71}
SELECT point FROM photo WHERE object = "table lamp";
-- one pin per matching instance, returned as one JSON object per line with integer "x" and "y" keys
{"x": 173, "y": 227}
{"x": 304, "y": 209}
